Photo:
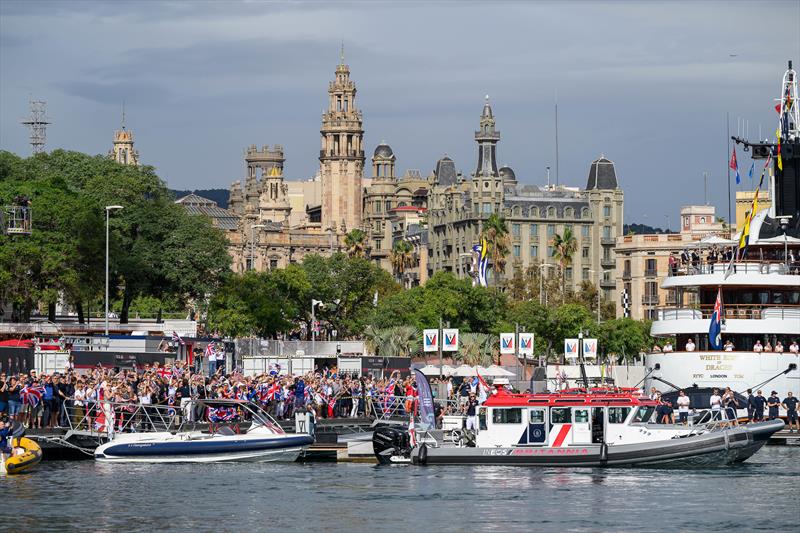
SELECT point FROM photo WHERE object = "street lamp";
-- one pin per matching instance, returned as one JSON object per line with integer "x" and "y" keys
{"x": 253, "y": 244}
{"x": 784, "y": 222}
{"x": 314, "y": 304}
{"x": 109, "y": 208}
{"x": 541, "y": 279}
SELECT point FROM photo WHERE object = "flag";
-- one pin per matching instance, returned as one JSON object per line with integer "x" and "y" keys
{"x": 734, "y": 165}
{"x": 483, "y": 383}
{"x": 778, "y": 151}
{"x": 31, "y": 395}
{"x": 274, "y": 391}
{"x": 744, "y": 238}
{"x": 750, "y": 172}
{"x": 177, "y": 338}
{"x": 427, "y": 418}
{"x": 715, "y": 328}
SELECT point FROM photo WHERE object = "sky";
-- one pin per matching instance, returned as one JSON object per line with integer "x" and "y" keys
{"x": 647, "y": 84}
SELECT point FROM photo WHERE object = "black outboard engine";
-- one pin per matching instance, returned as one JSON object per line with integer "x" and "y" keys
{"x": 388, "y": 442}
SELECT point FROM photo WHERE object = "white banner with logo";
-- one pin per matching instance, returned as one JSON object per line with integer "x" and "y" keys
{"x": 526, "y": 343}
{"x": 430, "y": 340}
{"x": 507, "y": 343}
{"x": 450, "y": 340}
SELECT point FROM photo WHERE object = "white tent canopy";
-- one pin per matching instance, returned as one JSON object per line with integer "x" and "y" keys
{"x": 496, "y": 371}
{"x": 433, "y": 370}
{"x": 712, "y": 240}
{"x": 465, "y": 371}
{"x": 778, "y": 239}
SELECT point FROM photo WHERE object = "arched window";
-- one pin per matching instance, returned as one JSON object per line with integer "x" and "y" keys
{"x": 517, "y": 211}
{"x": 568, "y": 212}
{"x": 551, "y": 212}
{"x": 585, "y": 212}
{"x": 533, "y": 212}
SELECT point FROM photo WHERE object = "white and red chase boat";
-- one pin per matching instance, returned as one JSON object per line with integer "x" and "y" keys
{"x": 601, "y": 427}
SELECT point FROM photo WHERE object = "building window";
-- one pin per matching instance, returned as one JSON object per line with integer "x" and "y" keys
{"x": 607, "y": 211}
{"x": 377, "y": 245}
{"x": 549, "y": 251}
{"x": 534, "y": 212}
{"x": 534, "y": 251}
{"x": 551, "y": 212}
{"x": 515, "y": 230}
{"x": 606, "y": 232}
{"x": 273, "y": 264}
{"x": 585, "y": 252}
{"x": 534, "y": 231}
{"x": 487, "y": 208}
{"x": 585, "y": 274}
{"x": 516, "y": 250}
{"x": 606, "y": 254}
{"x": 568, "y": 273}
{"x": 585, "y": 232}
{"x": 568, "y": 213}
{"x": 651, "y": 267}
{"x": 585, "y": 213}
{"x": 377, "y": 206}
{"x": 551, "y": 230}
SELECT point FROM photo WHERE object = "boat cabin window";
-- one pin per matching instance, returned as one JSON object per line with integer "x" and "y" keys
{"x": 537, "y": 416}
{"x": 618, "y": 415}
{"x": 560, "y": 415}
{"x": 581, "y": 416}
{"x": 643, "y": 414}
{"x": 482, "y": 419}
{"x": 507, "y": 416}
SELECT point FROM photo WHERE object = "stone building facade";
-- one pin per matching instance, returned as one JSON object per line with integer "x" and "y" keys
{"x": 122, "y": 150}
{"x": 458, "y": 206}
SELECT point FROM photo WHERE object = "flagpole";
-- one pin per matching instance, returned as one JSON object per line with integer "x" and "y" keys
{"x": 728, "y": 137}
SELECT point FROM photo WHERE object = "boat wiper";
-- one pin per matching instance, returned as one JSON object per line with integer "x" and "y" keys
{"x": 792, "y": 366}
{"x": 656, "y": 367}
{"x": 668, "y": 383}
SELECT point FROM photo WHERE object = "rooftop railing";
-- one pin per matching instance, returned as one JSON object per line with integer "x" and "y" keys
{"x": 732, "y": 311}
{"x": 739, "y": 267}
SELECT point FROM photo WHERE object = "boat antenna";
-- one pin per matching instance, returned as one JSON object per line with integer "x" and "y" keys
{"x": 581, "y": 362}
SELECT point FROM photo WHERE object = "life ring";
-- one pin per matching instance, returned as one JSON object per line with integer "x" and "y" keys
{"x": 423, "y": 454}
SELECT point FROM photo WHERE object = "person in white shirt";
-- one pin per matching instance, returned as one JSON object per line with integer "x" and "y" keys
{"x": 683, "y": 402}
{"x": 667, "y": 347}
{"x": 690, "y": 345}
{"x": 758, "y": 347}
{"x": 778, "y": 347}
{"x": 794, "y": 348}
{"x": 716, "y": 405}
{"x": 728, "y": 346}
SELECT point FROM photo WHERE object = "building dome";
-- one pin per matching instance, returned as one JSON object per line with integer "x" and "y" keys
{"x": 383, "y": 151}
{"x": 507, "y": 173}
{"x": 602, "y": 175}
{"x": 446, "y": 171}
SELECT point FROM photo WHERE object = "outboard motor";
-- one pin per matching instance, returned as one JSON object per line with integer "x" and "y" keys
{"x": 388, "y": 442}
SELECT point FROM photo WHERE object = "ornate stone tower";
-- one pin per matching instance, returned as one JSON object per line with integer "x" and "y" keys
{"x": 122, "y": 151}
{"x": 341, "y": 156}
{"x": 273, "y": 203}
{"x": 487, "y": 183}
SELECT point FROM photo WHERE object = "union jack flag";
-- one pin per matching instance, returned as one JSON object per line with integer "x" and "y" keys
{"x": 31, "y": 395}
{"x": 274, "y": 392}
{"x": 177, "y": 338}
{"x": 221, "y": 414}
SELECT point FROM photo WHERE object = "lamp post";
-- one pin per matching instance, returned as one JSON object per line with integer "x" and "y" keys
{"x": 253, "y": 244}
{"x": 542, "y": 300}
{"x": 314, "y": 304}
{"x": 784, "y": 222}
{"x": 109, "y": 208}
{"x": 598, "y": 299}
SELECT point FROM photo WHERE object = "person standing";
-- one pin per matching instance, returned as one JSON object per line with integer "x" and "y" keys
{"x": 773, "y": 403}
{"x": 683, "y": 402}
{"x": 730, "y": 404}
{"x": 790, "y": 404}
{"x": 716, "y": 405}
{"x": 472, "y": 413}
{"x": 750, "y": 405}
{"x": 759, "y": 402}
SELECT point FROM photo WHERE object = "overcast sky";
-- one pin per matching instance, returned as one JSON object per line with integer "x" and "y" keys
{"x": 648, "y": 84}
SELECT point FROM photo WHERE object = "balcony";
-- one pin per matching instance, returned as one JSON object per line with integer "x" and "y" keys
{"x": 608, "y": 284}
{"x": 608, "y": 262}
{"x": 650, "y": 299}
{"x": 608, "y": 241}
{"x": 626, "y": 275}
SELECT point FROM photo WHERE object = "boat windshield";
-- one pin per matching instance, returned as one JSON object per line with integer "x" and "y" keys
{"x": 643, "y": 414}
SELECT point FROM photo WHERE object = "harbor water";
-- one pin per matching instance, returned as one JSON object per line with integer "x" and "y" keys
{"x": 761, "y": 494}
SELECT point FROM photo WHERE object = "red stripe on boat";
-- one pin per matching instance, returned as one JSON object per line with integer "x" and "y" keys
{"x": 562, "y": 435}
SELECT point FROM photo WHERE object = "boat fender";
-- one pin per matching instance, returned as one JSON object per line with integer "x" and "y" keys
{"x": 17, "y": 430}
{"x": 603, "y": 453}
{"x": 423, "y": 454}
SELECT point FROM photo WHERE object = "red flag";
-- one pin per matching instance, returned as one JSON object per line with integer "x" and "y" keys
{"x": 733, "y": 164}
{"x": 482, "y": 382}
{"x": 778, "y": 108}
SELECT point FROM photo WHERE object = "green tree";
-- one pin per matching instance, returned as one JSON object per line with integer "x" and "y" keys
{"x": 625, "y": 337}
{"x": 564, "y": 247}
{"x": 402, "y": 257}
{"x": 496, "y": 233}
{"x": 356, "y": 243}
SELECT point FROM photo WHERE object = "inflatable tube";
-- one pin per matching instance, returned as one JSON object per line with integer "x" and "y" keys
{"x": 423, "y": 454}
{"x": 17, "y": 430}
{"x": 32, "y": 454}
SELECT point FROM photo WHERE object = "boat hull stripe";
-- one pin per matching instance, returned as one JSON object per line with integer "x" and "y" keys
{"x": 562, "y": 435}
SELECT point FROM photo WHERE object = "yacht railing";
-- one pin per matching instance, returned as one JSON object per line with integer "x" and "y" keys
{"x": 739, "y": 267}
{"x": 732, "y": 311}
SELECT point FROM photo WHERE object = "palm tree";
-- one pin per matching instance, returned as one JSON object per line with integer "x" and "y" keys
{"x": 476, "y": 349}
{"x": 402, "y": 257}
{"x": 564, "y": 247}
{"x": 404, "y": 340}
{"x": 355, "y": 242}
{"x": 496, "y": 233}
{"x": 375, "y": 339}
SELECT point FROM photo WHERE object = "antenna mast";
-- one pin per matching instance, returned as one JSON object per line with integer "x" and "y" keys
{"x": 37, "y": 123}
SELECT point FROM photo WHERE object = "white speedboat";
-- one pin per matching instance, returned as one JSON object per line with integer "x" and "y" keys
{"x": 264, "y": 441}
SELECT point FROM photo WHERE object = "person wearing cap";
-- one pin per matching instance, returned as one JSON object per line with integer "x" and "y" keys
{"x": 790, "y": 404}
{"x": 773, "y": 403}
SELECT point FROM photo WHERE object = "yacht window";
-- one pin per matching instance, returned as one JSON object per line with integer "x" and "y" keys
{"x": 507, "y": 416}
{"x": 537, "y": 416}
{"x": 482, "y": 419}
{"x": 560, "y": 415}
{"x": 617, "y": 415}
{"x": 643, "y": 414}
{"x": 581, "y": 416}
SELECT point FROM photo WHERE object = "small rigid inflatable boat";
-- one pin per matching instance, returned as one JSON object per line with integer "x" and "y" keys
{"x": 26, "y": 453}
{"x": 599, "y": 427}
{"x": 264, "y": 441}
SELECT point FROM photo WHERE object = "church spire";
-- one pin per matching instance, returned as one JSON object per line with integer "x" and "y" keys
{"x": 487, "y": 137}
